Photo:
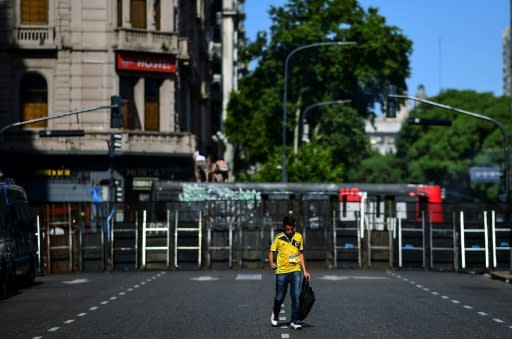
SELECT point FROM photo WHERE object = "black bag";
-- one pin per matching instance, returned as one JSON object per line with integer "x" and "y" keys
{"x": 307, "y": 299}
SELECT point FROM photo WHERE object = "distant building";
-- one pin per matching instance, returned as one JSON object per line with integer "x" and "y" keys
{"x": 382, "y": 131}
{"x": 174, "y": 63}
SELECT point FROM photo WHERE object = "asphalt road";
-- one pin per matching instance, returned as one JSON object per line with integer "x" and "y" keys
{"x": 237, "y": 304}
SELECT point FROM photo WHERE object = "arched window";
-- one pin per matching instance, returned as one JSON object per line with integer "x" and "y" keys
{"x": 34, "y": 12}
{"x": 34, "y": 99}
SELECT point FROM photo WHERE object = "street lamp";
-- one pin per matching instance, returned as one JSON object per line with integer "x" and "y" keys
{"x": 479, "y": 116}
{"x": 310, "y": 107}
{"x": 284, "y": 177}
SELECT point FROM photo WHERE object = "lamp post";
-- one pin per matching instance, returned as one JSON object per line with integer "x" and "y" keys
{"x": 479, "y": 116}
{"x": 284, "y": 177}
{"x": 310, "y": 107}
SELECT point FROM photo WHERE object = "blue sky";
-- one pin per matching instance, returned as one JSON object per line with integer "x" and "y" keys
{"x": 457, "y": 44}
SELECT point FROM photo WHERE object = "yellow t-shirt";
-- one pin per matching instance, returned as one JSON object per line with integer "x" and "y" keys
{"x": 288, "y": 251}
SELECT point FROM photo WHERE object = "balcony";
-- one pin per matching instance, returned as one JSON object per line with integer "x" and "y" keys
{"x": 96, "y": 142}
{"x": 33, "y": 37}
{"x": 131, "y": 39}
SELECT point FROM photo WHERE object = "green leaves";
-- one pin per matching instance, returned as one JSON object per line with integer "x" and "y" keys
{"x": 359, "y": 73}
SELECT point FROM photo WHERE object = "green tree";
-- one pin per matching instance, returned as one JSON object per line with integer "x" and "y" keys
{"x": 444, "y": 155}
{"x": 360, "y": 73}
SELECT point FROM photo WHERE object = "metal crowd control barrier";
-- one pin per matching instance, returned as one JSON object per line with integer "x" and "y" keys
{"x": 193, "y": 230}
{"x": 411, "y": 240}
{"x": 442, "y": 240}
{"x": 347, "y": 233}
{"x": 474, "y": 247}
{"x": 503, "y": 245}
{"x": 377, "y": 221}
{"x": 154, "y": 235}
{"x": 223, "y": 230}
{"x": 92, "y": 251}
{"x": 38, "y": 239}
{"x": 124, "y": 245}
{"x": 59, "y": 238}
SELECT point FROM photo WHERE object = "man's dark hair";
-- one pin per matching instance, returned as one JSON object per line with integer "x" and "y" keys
{"x": 288, "y": 220}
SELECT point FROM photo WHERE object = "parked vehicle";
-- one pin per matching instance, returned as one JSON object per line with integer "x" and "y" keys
{"x": 18, "y": 243}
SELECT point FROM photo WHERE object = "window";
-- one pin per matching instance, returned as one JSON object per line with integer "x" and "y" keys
{"x": 34, "y": 99}
{"x": 34, "y": 12}
{"x": 156, "y": 13}
{"x": 130, "y": 119}
{"x": 151, "y": 105}
{"x": 119, "y": 13}
{"x": 138, "y": 13}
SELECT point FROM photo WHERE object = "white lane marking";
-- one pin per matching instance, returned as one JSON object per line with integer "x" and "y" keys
{"x": 53, "y": 329}
{"x": 444, "y": 297}
{"x": 419, "y": 286}
{"x": 498, "y": 320}
{"x": 113, "y": 298}
{"x": 482, "y": 313}
{"x": 356, "y": 277}
{"x": 248, "y": 277}
{"x": 81, "y": 314}
{"x": 435, "y": 293}
{"x": 69, "y": 321}
{"x": 204, "y": 278}
{"x": 122, "y": 293}
{"x": 285, "y": 335}
{"x": 136, "y": 286}
{"x": 130, "y": 289}
{"x": 468, "y": 307}
{"x": 455, "y": 301}
{"x": 426, "y": 289}
{"x": 104, "y": 302}
{"x": 76, "y": 281}
{"x": 93, "y": 308}
{"x": 37, "y": 337}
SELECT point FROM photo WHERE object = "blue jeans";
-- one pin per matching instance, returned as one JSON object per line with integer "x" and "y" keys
{"x": 282, "y": 281}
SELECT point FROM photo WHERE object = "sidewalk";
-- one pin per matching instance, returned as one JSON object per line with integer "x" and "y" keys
{"x": 505, "y": 276}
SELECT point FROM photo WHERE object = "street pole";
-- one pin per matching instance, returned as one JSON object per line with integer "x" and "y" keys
{"x": 284, "y": 177}
{"x": 26, "y": 122}
{"x": 506, "y": 151}
{"x": 310, "y": 107}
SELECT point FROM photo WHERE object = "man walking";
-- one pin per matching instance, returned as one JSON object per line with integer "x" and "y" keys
{"x": 286, "y": 257}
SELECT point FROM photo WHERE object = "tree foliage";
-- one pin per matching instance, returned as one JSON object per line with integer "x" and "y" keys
{"x": 444, "y": 155}
{"x": 360, "y": 73}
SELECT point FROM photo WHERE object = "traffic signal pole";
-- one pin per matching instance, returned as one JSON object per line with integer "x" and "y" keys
{"x": 478, "y": 116}
{"x": 26, "y": 122}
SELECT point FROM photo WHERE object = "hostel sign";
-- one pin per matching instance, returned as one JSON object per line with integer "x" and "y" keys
{"x": 145, "y": 62}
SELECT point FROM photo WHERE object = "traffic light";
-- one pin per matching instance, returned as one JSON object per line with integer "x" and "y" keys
{"x": 118, "y": 191}
{"x": 391, "y": 103}
{"x": 115, "y": 141}
{"x": 429, "y": 122}
{"x": 116, "y": 111}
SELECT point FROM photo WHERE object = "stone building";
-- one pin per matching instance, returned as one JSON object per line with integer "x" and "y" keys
{"x": 173, "y": 63}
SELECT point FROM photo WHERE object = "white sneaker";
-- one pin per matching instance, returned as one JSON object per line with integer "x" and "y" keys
{"x": 295, "y": 325}
{"x": 273, "y": 320}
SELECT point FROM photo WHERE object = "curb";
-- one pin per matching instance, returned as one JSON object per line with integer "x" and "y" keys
{"x": 501, "y": 275}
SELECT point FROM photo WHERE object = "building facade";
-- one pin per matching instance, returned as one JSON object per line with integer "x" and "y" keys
{"x": 173, "y": 63}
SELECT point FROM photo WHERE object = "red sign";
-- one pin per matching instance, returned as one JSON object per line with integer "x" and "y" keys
{"x": 142, "y": 62}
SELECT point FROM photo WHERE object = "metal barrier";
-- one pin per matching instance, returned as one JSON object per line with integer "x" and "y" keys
{"x": 92, "y": 251}
{"x": 124, "y": 246}
{"x": 186, "y": 232}
{"x": 475, "y": 246}
{"x": 504, "y": 245}
{"x": 220, "y": 223}
{"x": 384, "y": 228}
{"x": 443, "y": 239}
{"x": 414, "y": 240}
{"x": 59, "y": 239}
{"x": 152, "y": 237}
{"x": 347, "y": 234}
